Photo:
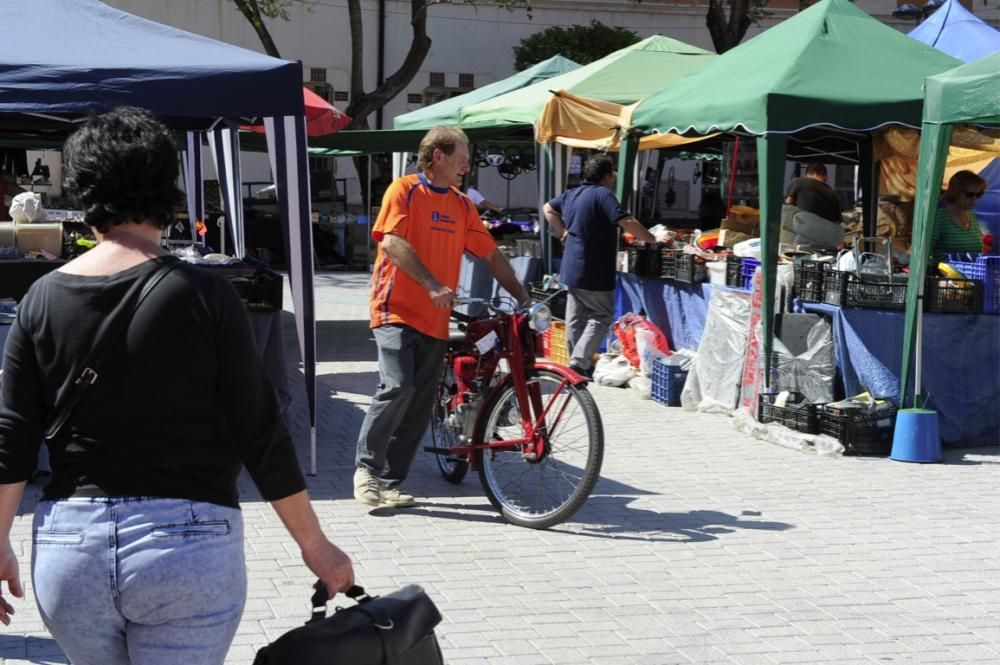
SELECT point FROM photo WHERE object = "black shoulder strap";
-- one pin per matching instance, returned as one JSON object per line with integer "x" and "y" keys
{"x": 71, "y": 398}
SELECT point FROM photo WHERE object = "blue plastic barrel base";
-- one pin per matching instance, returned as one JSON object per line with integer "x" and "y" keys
{"x": 917, "y": 437}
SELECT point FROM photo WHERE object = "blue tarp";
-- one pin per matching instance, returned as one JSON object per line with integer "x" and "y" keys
{"x": 79, "y": 56}
{"x": 987, "y": 210}
{"x": 678, "y": 309}
{"x": 958, "y": 32}
{"x": 962, "y": 379}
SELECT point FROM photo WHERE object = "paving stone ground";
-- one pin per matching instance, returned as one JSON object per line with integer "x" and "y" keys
{"x": 699, "y": 545}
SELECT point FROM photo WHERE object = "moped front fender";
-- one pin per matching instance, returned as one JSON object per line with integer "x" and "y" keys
{"x": 573, "y": 378}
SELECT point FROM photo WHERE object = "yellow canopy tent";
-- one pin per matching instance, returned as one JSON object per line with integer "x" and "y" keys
{"x": 582, "y": 122}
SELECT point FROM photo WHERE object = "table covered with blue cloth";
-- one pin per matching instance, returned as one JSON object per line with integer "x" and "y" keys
{"x": 678, "y": 309}
{"x": 960, "y": 365}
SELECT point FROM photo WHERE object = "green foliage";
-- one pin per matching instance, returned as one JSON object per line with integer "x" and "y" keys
{"x": 580, "y": 43}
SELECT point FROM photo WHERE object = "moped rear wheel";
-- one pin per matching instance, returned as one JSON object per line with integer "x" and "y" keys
{"x": 539, "y": 494}
{"x": 453, "y": 467}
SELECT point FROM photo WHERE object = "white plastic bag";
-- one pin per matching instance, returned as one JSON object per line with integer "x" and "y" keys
{"x": 27, "y": 207}
{"x": 645, "y": 345}
{"x": 613, "y": 371}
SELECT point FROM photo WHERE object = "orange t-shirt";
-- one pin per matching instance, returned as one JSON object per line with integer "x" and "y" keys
{"x": 439, "y": 224}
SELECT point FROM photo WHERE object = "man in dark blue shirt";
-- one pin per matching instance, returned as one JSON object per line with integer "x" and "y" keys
{"x": 587, "y": 219}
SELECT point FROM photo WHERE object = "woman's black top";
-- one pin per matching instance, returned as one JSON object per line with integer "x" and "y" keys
{"x": 180, "y": 403}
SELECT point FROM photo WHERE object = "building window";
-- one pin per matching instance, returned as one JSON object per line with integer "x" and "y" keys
{"x": 317, "y": 74}
{"x": 324, "y": 90}
{"x": 414, "y": 98}
{"x": 437, "y": 79}
{"x": 341, "y": 96}
{"x": 467, "y": 81}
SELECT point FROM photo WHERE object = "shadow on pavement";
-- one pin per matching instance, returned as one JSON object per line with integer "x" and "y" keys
{"x": 344, "y": 341}
{"x": 967, "y": 456}
{"x": 612, "y": 517}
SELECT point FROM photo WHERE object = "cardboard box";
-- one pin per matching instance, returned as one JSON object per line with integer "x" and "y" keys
{"x": 39, "y": 236}
{"x": 730, "y": 238}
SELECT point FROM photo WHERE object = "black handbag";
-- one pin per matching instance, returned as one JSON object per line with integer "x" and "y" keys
{"x": 395, "y": 629}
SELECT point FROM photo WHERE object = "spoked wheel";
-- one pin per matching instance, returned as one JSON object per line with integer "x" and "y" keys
{"x": 542, "y": 493}
{"x": 452, "y": 467}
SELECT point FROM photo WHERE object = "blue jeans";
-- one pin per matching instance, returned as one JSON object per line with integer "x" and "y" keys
{"x": 139, "y": 580}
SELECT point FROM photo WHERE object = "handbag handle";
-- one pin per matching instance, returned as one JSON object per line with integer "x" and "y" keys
{"x": 322, "y": 596}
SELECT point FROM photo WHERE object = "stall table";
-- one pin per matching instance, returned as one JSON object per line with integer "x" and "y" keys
{"x": 961, "y": 365}
{"x": 678, "y": 309}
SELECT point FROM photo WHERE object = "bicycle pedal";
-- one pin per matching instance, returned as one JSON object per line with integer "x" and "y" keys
{"x": 437, "y": 451}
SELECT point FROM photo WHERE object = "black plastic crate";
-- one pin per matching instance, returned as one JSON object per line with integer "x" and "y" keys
{"x": 834, "y": 287}
{"x": 260, "y": 293}
{"x": 797, "y": 414}
{"x": 668, "y": 262}
{"x": 691, "y": 270}
{"x": 557, "y": 304}
{"x": 644, "y": 260}
{"x": 734, "y": 272}
{"x": 958, "y": 296}
{"x": 846, "y": 289}
{"x": 808, "y": 281}
{"x": 862, "y": 431}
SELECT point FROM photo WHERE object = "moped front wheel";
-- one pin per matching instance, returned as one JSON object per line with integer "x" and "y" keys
{"x": 541, "y": 493}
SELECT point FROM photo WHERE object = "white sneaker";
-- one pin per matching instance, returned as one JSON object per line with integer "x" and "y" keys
{"x": 394, "y": 497}
{"x": 366, "y": 487}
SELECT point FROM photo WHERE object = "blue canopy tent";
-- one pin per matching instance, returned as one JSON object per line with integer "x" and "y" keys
{"x": 61, "y": 60}
{"x": 958, "y": 32}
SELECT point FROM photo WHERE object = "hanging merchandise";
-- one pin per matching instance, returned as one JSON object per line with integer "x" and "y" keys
{"x": 671, "y": 196}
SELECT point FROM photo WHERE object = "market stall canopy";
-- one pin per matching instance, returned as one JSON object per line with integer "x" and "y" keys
{"x": 81, "y": 56}
{"x": 623, "y": 77}
{"x": 966, "y": 95}
{"x": 831, "y": 64}
{"x": 958, "y": 32}
{"x": 581, "y": 122}
{"x": 447, "y": 112}
{"x": 411, "y": 127}
{"x": 64, "y": 59}
{"x": 322, "y": 117}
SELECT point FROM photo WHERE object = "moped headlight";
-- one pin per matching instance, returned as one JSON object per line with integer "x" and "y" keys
{"x": 539, "y": 317}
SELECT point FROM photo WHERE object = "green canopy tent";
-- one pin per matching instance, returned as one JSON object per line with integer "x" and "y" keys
{"x": 622, "y": 77}
{"x": 969, "y": 94}
{"x": 831, "y": 67}
{"x": 409, "y": 128}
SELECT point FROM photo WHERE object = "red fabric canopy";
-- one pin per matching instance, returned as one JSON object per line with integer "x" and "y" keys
{"x": 322, "y": 117}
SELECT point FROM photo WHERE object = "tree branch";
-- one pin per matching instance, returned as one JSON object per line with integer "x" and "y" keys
{"x": 251, "y": 11}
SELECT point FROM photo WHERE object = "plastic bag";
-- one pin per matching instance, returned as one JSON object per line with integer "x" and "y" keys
{"x": 647, "y": 346}
{"x": 613, "y": 371}
{"x": 625, "y": 330}
{"x": 26, "y": 208}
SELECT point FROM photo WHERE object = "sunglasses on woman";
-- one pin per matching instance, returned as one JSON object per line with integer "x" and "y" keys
{"x": 973, "y": 195}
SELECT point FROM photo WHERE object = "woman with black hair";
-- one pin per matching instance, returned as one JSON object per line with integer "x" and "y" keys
{"x": 138, "y": 539}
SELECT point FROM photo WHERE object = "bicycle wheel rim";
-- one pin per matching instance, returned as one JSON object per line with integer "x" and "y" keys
{"x": 546, "y": 492}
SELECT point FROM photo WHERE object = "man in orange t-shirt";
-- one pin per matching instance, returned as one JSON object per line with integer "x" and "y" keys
{"x": 424, "y": 226}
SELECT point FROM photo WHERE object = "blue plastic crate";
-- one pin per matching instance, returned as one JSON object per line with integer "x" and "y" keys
{"x": 749, "y": 268}
{"x": 986, "y": 269}
{"x": 668, "y": 383}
